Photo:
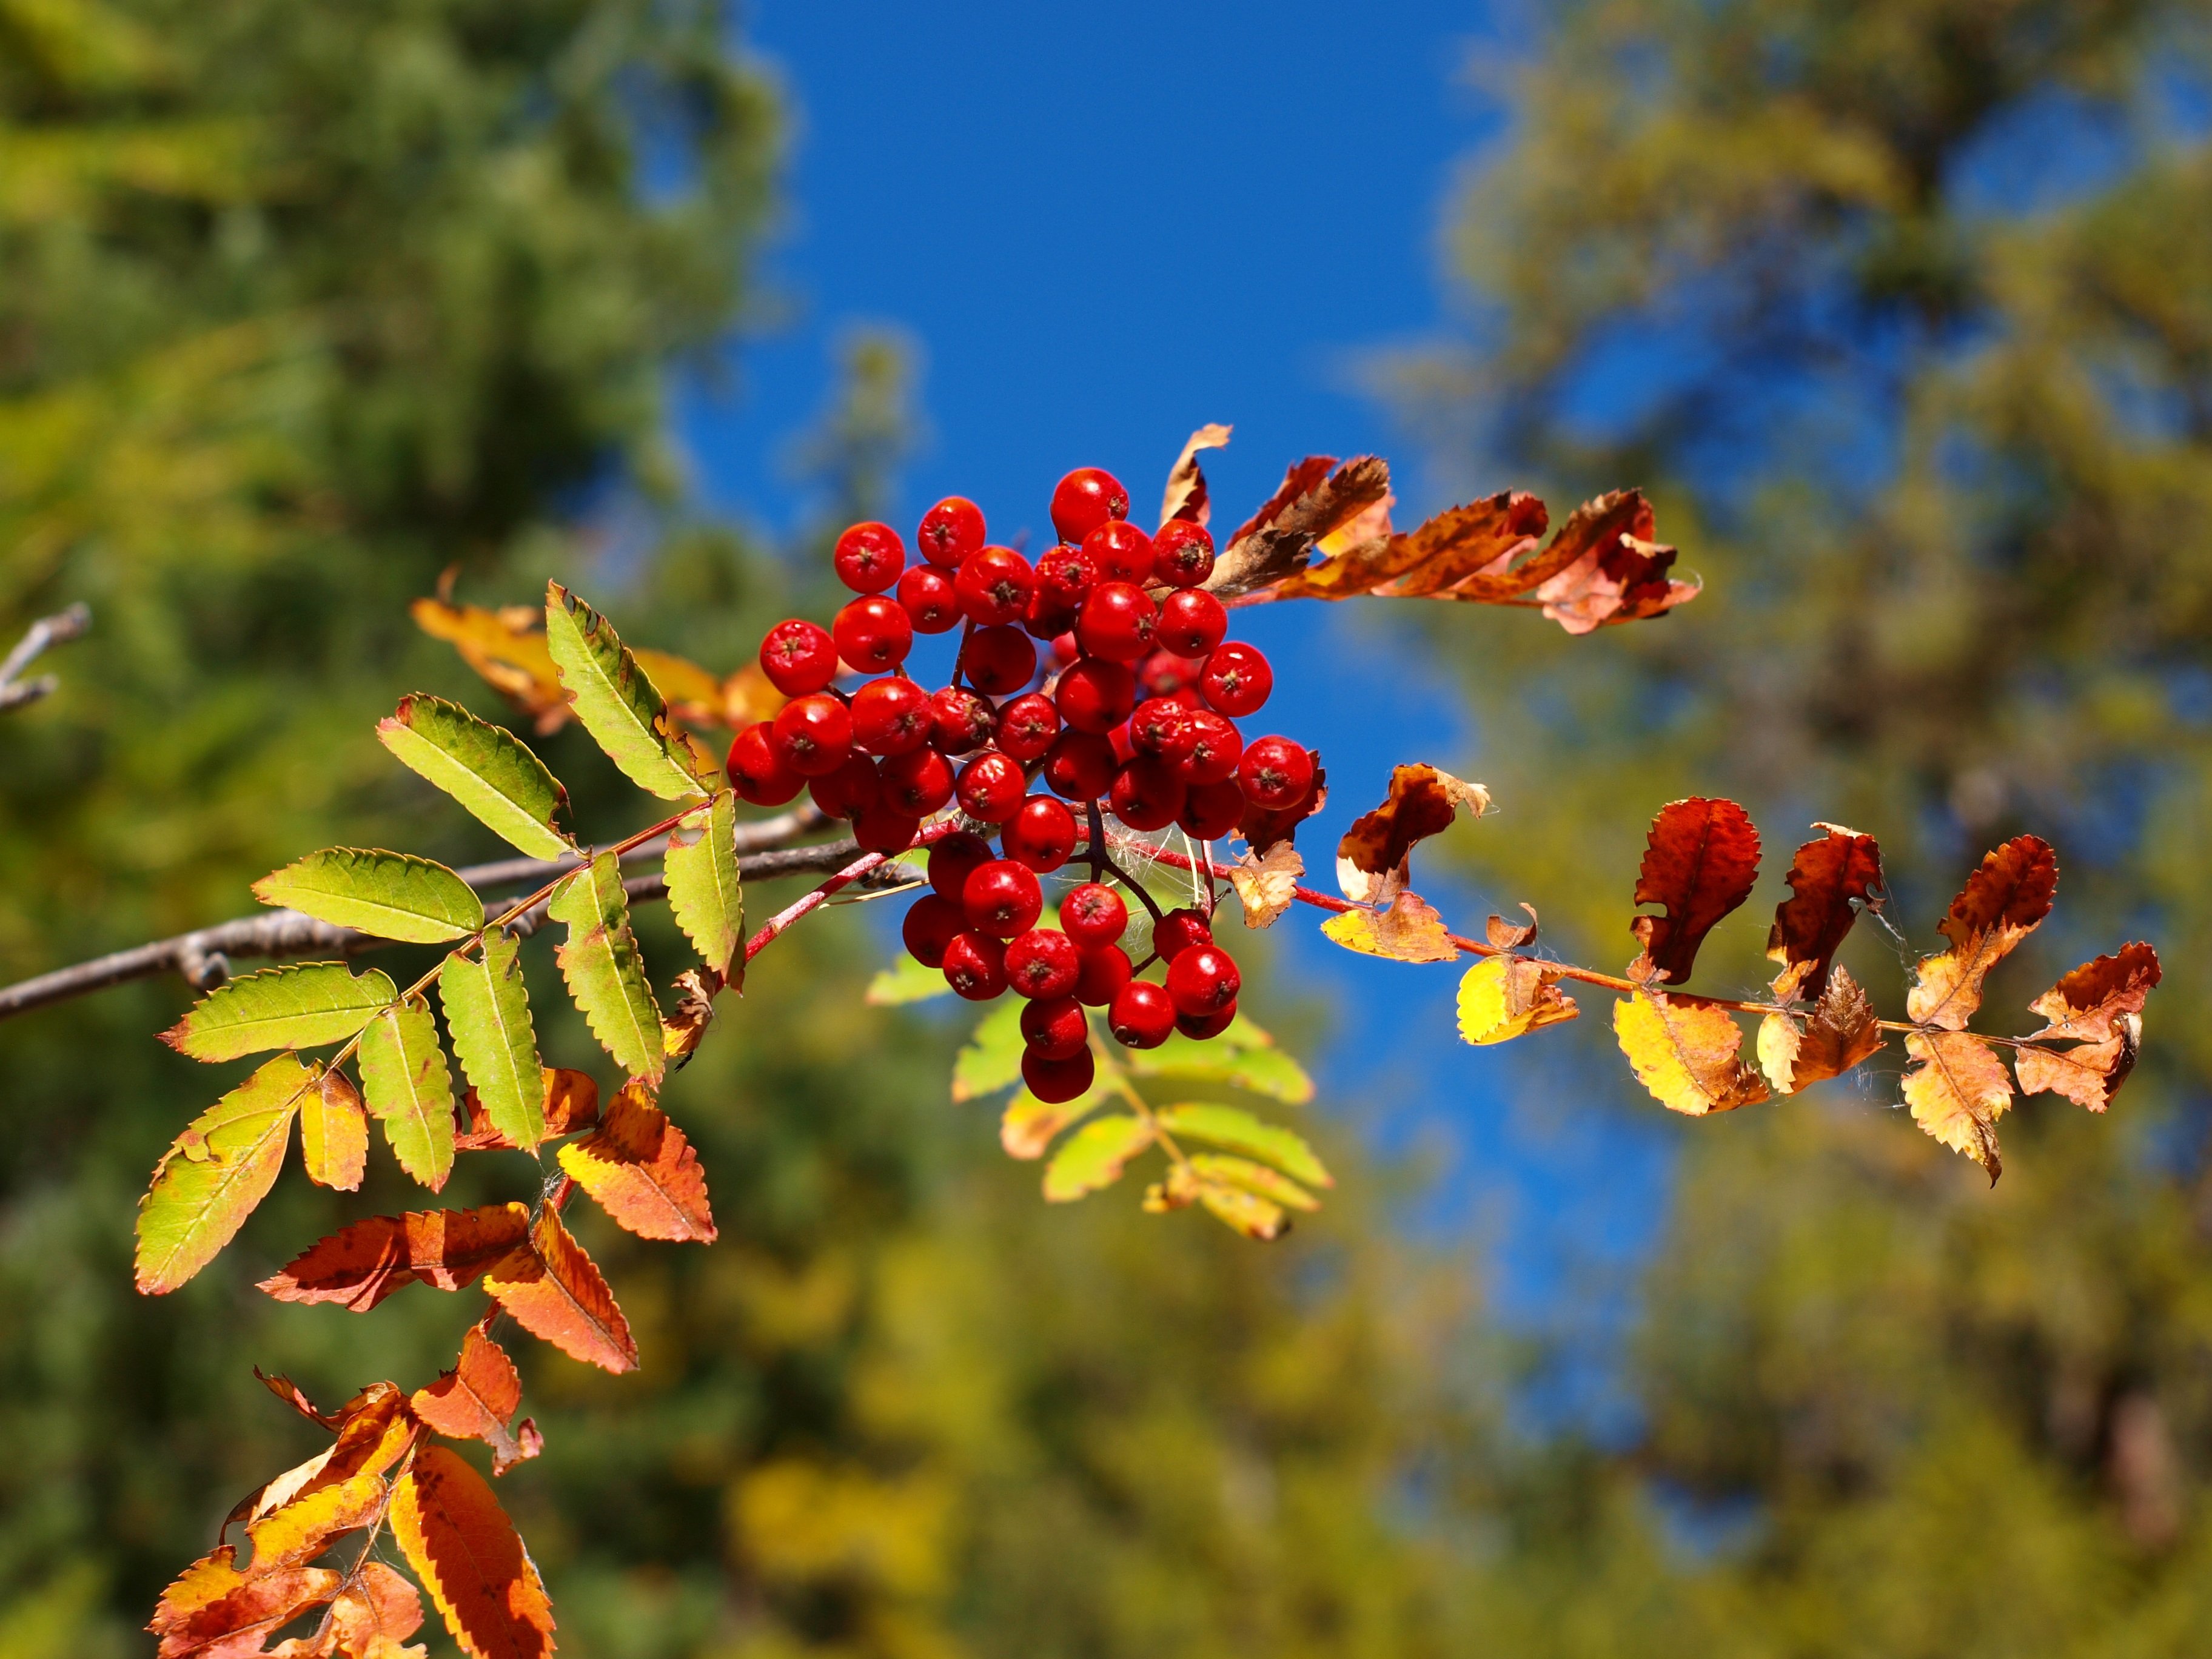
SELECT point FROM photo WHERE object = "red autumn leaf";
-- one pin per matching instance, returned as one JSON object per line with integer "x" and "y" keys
{"x": 477, "y": 1399}
{"x": 214, "y": 1611}
{"x": 2098, "y": 1008}
{"x": 1618, "y": 573}
{"x": 1264, "y": 829}
{"x": 470, "y": 1558}
{"x": 361, "y": 1265}
{"x": 1277, "y": 541}
{"x": 2000, "y": 905}
{"x": 1831, "y": 881}
{"x": 1471, "y": 545}
{"x": 1371, "y": 858}
{"x": 288, "y": 1391}
{"x": 557, "y": 1293}
{"x": 1700, "y": 860}
{"x": 642, "y": 1171}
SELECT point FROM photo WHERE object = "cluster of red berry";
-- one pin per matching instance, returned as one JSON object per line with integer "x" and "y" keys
{"x": 1134, "y": 714}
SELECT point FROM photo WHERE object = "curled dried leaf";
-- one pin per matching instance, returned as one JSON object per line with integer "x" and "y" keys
{"x": 1409, "y": 930}
{"x": 1267, "y": 883}
{"x": 1503, "y": 935}
{"x": 1186, "y": 496}
{"x": 1700, "y": 860}
{"x": 2000, "y": 905}
{"x": 2099, "y": 1009}
{"x": 1316, "y": 498}
{"x": 1616, "y": 573}
{"x": 1478, "y": 541}
{"x": 1371, "y": 858}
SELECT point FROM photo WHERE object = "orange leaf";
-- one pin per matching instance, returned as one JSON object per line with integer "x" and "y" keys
{"x": 1617, "y": 573}
{"x": 2000, "y": 905}
{"x": 1277, "y": 542}
{"x": 215, "y": 1611}
{"x": 288, "y": 1391}
{"x": 1839, "y": 1033}
{"x": 1475, "y": 542}
{"x": 477, "y": 1399}
{"x": 1700, "y": 860}
{"x": 380, "y": 1606}
{"x": 334, "y": 1134}
{"x": 1408, "y": 931}
{"x": 471, "y": 1560}
{"x": 1186, "y": 496}
{"x": 303, "y": 1528}
{"x": 362, "y": 1264}
{"x": 572, "y": 1103}
{"x": 642, "y": 1171}
{"x": 1831, "y": 881}
{"x": 1958, "y": 1093}
{"x": 1685, "y": 1053}
{"x": 2099, "y": 1005}
{"x": 507, "y": 648}
{"x": 1263, "y": 828}
{"x": 556, "y": 1292}
{"x": 1371, "y": 858}
{"x": 692, "y": 693}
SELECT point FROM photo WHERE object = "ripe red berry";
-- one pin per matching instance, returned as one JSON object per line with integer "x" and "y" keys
{"x": 1146, "y": 794}
{"x": 1216, "y": 747}
{"x": 1210, "y": 811}
{"x": 850, "y": 790}
{"x": 1027, "y": 726}
{"x": 1105, "y": 971}
{"x": 799, "y": 657}
{"x": 812, "y": 735}
{"x": 930, "y": 923}
{"x": 873, "y": 633}
{"x": 997, "y": 660}
{"x": 953, "y": 858}
{"x": 1203, "y": 980}
{"x": 1064, "y": 648}
{"x": 951, "y": 531}
{"x": 1054, "y": 1081}
{"x": 1164, "y": 674}
{"x": 1183, "y": 553}
{"x": 1141, "y": 1015}
{"x": 929, "y": 598}
{"x": 890, "y": 716}
{"x": 1042, "y": 835}
{"x": 1085, "y": 499}
{"x": 758, "y": 772}
{"x": 1093, "y": 915}
{"x": 1275, "y": 773}
{"x": 959, "y": 721}
{"x": 1067, "y": 574}
{"x": 1203, "y": 1028}
{"x": 884, "y": 829}
{"x": 992, "y": 786}
{"x": 1161, "y": 727}
{"x": 1001, "y": 898}
{"x": 1237, "y": 679}
{"x": 869, "y": 559}
{"x": 994, "y": 586}
{"x": 1177, "y": 931}
{"x": 1118, "y": 622}
{"x": 1122, "y": 552}
{"x": 1096, "y": 695}
{"x": 1047, "y": 618}
{"x": 1124, "y": 751}
{"x": 1191, "y": 623}
{"x": 975, "y": 965}
{"x": 919, "y": 782}
{"x": 1041, "y": 964}
{"x": 1057, "y": 1029}
{"x": 1079, "y": 766}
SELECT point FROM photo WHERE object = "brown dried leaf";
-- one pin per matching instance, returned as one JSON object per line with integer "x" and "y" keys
{"x": 557, "y": 1293}
{"x": 684, "y": 1027}
{"x": 1480, "y": 540}
{"x": 2099, "y": 1007}
{"x": 642, "y": 1171}
{"x": 1371, "y": 858}
{"x": 1617, "y": 573}
{"x": 476, "y": 1400}
{"x": 1264, "y": 829}
{"x": 1957, "y": 1092}
{"x": 1266, "y": 882}
{"x": 1839, "y": 1033}
{"x": 1277, "y": 541}
{"x": 2000, "y": 905}
{"x": 1685, "y": 1053}
{"x": 361, "y": 1265}
{"x": 1409, "y": 931}
{"x": 507, "y": 648}
{"x": 1186, "y": 496}
{"x": 1700, "y": 860}
{"x": 1831, "y": 881}
{"x": 1503, "y": 935}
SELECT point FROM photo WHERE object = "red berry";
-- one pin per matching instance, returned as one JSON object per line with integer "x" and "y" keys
{"x": 1161, "y": 727}
{"x": 930, "y": 600}
{"x": 1177, "y": 931}
{"x": 918, "y": 781}
{"x": 997, "y": 660}
{"x": 1085, "y": 499}
{"x": 1118, "y": 622}
{"x": 975, "y": 965}
{"x": 1205, "y": 1027}
{"x": 959, "y": 721}
{"x": 1027, "y": 726}
{"x": 1141, "y": 1016}
{"x": 1042, "y": 835}
{"x": 1096, "y": 695}
{"x": 1093, "y": 914}
{"x": 1001, "y": 898}
{"x": 1055, "y": 1028}
{"x": 1145, "y": 795}
{"x": 1054, "y": 1081}
{"x": 1275, "y": 773}
{"x": 953, "y": 858}
{"x": 1237, "y": 679}
{"x": 1210, "y": 811}
{"x": 1079, "y": 766}
{"x": 758, "y": 772}
{"x": 1105, "y": 971}
{"x": 799, "y": 657}
{"x": 850, "y": 790}
{"x": 1191, "y": 623}
{"x": 1064, "y": 649}
{"x": 1047, "y": 618}
{"x": 1215, "y": 747}
{"x": 994, "y": 586}
{"x": 869, "y": 559}
{"x": 884, "y": 829}
{"x": 1122, "y": 552}
{"x": 1067, "y": 574}
{"x": 1041, "y": 964}
{"x": 813, "y": 735}
{"x": 1183, "y": 553}
{"x": 1124, "y": 750}
{"x": 1164, "y": 674}
{"x": 1203, "y": 980}
{"x": 951, "y": 531}
{"x": 930, "y": 923}
{"x": 890, "y": 716}
{"x": 873, "y": 633}
{"x": 992, "y": 786}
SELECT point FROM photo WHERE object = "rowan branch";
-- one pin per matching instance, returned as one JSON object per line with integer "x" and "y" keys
{"x": 17, "y": 692}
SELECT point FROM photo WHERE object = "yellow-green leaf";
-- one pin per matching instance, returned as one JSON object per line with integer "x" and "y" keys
{"x": 1252, "y": 1177}
{"x": 617, "y": 704}
{"x": 1247, "y": 1212}
{"x": 703, "y": 890}
{"x": 1241, "y": 1131}
{"x": 1095, "y": 1155}
{"x": 486, "y": 768}
{"x": 1243, "y": 1057}
{"x": 488, "y": 1012}
{"x": 222, "y": 1166}
{"x": 606, "y": 976}
{"x": 906, "y": 981}
{"x": 297, "y": 1006}
{"x": 991, "y": 1060}
{"x": 1028, "y": 1126}
{"x": 410, "y": 1089}
{"x": 391, "y": 894}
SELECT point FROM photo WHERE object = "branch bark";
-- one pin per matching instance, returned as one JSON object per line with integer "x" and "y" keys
{"x": 15, "y": 690}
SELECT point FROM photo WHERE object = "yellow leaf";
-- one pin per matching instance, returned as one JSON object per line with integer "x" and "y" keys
{"x": 1503, "y": 997}
{"x": 1685, "y": 1053}
{"x": 1958, "y": 1093}
{"x": 1409, "y": 931}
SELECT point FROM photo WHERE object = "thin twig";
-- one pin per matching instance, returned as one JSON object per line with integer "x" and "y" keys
{"x": 15, "y": 690}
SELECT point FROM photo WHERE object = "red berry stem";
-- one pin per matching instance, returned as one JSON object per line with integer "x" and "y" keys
{"x": 1098, "y": 845}
{"x": 1128, "y": 880}
{"x": 844, "y": 877}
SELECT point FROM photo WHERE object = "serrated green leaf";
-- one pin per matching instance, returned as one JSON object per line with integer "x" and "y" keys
{"x": 704, "y": 891}
{"x": 606, "y": 976}
{"x": 297, "y": 1006}
{"x": 1252, "y": 1177}
{"x": 487, "y": 1013}
{"x": 616, "y": 703}
{"x": 222, "y": 1166}
{"x": 906, "y": 981}
{"x": 1254, "y": 1064}
{"x": 486, "y": 768}
{"x": 410, "y": 1089}
{"x": 991, "y": 1060}
{"x": 1239, "y": 1131}
{"x": 1095, "y": 1155}
{"x": 390, "y": 895}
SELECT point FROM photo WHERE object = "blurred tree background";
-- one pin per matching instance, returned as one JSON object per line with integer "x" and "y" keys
{"x": 1899, "y": 308}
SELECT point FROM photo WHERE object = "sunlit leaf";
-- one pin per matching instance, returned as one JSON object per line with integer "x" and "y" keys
{"x": 1185, "y": 497}
{"x": 357, "y": 1267}
{"x": 1831, "y": 881}
{"x": 1094, "y": 1156}
{"x": 487, "y": 1013}
{"x": 606, "y": 975}
{"x": 477, "y": 1399}
{"x": 1503, "y": 997}
{"x": 2098, "y": 1008}
{"x": 375, "y": 1614}
{"x": 410, "y": 1089}
{"x": 1028, "y": 1125}
{"x": 303, "y": 1528}
{"x": 1958, "y": 1091}
{"x": 1316, "y": 497}
{"x": 2000, "y": 905}
{"x": 486, "y": 768}
{"x": 301, "y": 1006}
{"x": 1238, "y": 1130}
{"x": 1270, "y": 1184}
{"x": 507, "y": 647}
{"x": 1700, "y": 858}
{"x": 557, "y": 1293}
{"x": 1371, "y": 858}
{"x": 470, "y": 1558}
{"x": 704, "y": 893}
{"x": 1243, "y": 1057}
{"x": 1267, "y": 884}
{"x": 642, "y": 1171}
{"x": 214, "y": 1609}
{"x": 390, "y": 895}
{"x": 906, "y": 981}
{"x": 1839, "y": 1033}
{"x": 991, "y": 1059}
{"x": 570, "y": 1102}
{"x": 1685, "y": 1053}
{"x": 1409, "y": 930}
{"x": 1244, "y": 1210}
{"x": 334, "y": 1134}
{"x": 219, "y": 1169}
{"x": 617, "y": 704}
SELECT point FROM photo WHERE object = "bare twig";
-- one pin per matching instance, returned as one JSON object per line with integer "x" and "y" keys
{"x": 15, "y": 690}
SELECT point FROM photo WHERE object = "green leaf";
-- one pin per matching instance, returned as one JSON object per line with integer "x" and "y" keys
{"x": 390, "y": 895}
{"x": 486, "y": 768}
{"x": 606, "y": 976}
{"x": 1241, "y": 1131}
{"x": 409, "y": 1091}
{"x": 1252, "y": 1177}
{"x": 617, "y": 704}
{"x": 1242, "y": 1057}
{"x": 220, "y": 1167}
{"x": 992, "y": 1059}
{"x": 488, "y": 1012}
{"x": 703, "y": 889}
{"x": 293, "y": 1007}
{"x": 1027, "y": 1127}
{"x": 1095, "y": 1155}
{"x": 906, "y": 981}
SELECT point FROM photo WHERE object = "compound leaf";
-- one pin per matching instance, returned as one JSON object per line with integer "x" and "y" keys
{"x": 298, "y": 1006}
{"x": 556, "y": 1292}
{"x": 411, "y": 1090}
{"x": 606, "y": 976}
{"x": 486, "y": 768}
{"x": 617, "y": 704}
{"x": 704, "y": 892}
{"x": 488, "y": 1012}
{"x": 1240, "y": 1132}
{"x": 392, "y": 896}
{"x": 470, "y": 1558}
{"x": 219, "y": 1169}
